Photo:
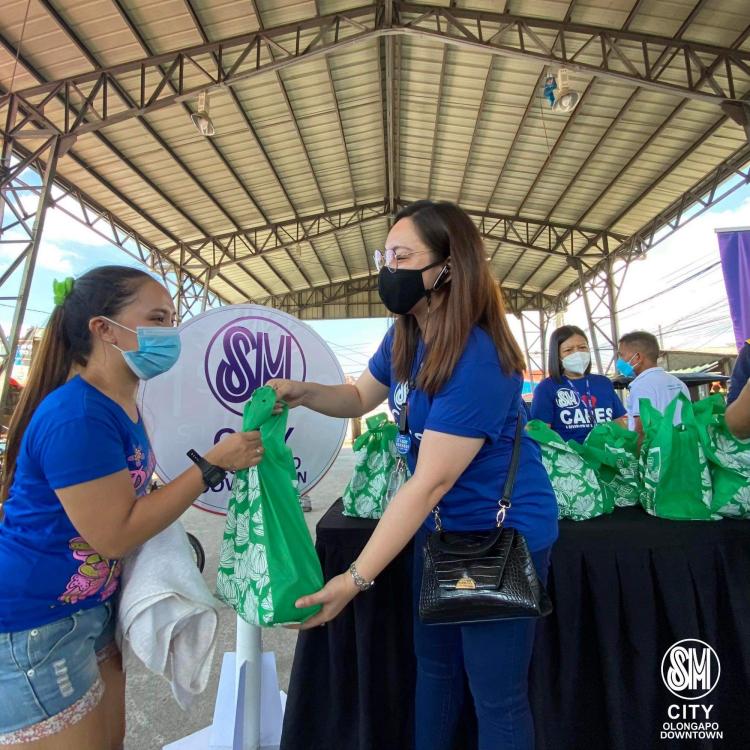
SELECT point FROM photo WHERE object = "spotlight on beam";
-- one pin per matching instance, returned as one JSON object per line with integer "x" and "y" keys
{"x": 201, "y": 119}
{"x": 566, "y": 98}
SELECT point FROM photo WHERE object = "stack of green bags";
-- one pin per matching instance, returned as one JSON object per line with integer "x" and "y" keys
{"x": 590, "y": 478}
{"x": 728, "y": 460}
{"x": 696, "y": 470}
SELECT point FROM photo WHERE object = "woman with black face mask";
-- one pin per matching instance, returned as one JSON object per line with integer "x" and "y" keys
{"x": 452, "y": 373}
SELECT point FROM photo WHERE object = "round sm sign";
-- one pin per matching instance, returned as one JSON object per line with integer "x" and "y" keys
{"x": 226, "y": 354}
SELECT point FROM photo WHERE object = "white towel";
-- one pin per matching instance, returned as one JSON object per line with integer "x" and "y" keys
{"x": 166, "y": 615}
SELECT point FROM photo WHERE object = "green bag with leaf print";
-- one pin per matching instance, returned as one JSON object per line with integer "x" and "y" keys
{"x": 676, "y": 482}
{"x": 614, "y": 450}
{"x": 267, "y": 556}
{"x": 571, "y": 470}
{"x": 376, "y": 455}
{"x": 728, "y": 459}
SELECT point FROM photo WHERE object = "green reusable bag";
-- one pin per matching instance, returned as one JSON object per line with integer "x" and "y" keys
{"x": 375, "y": 451}
{"x": 267, "y": 556}
{"x": 728, "y": 460}
{"x": 616, "y": 450}
{"x": 571, "y": 472}
{"x": 676, "y": 482}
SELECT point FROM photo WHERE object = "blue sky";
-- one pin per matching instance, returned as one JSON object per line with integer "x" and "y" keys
{"x": 69, "y": 249}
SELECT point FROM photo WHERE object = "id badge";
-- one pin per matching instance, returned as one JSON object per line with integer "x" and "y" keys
{"x": 403, "y": 443}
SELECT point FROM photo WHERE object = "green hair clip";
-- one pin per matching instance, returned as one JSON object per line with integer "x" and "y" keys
{"x": 62, "y": 289}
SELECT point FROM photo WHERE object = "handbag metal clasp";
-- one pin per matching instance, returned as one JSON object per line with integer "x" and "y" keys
{"x": 465, "y": 582}
{"x": 500, "y": 517}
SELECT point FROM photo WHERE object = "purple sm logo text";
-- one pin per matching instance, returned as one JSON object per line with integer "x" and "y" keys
{"x": 242, "y": 357}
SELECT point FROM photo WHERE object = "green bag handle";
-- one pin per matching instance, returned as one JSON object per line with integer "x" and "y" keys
{"x": 258, "y": 415}
{"x": 592, "y": 455}
{"x": 259, "y": 410}
{"x": 650, "y": 415}
{"x": 378, "y": 429}
{"x": 542, "y": 433}
{"x": 688, "y": 414}
{"x": 709, "y": 410}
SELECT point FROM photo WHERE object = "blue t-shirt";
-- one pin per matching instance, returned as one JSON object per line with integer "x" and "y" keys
{"x": 574, "y": 406}
{"x": 477, "y": 401}
{"x": 48, "y": 570}
{"x": 740, "y": 373}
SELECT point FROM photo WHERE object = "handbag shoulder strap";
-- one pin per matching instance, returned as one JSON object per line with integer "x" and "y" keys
{"x": 514, "y": 461}
{"x": 504, "y": 503}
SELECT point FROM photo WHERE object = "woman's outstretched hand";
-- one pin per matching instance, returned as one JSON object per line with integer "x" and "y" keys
{"x": 333, "y": 597}
{"x": 291, "y": 392}
{"x": 240, "y": 450}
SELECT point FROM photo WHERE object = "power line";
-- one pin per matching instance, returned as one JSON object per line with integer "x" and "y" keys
{"x": 673, "y": 286}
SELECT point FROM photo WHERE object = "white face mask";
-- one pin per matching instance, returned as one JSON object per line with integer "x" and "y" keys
{"x": 577, "y": 362}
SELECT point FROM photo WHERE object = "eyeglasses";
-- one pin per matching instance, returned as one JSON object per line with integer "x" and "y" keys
{"x": 389, "y": 259}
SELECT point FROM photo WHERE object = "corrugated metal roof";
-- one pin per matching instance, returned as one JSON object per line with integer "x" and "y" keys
{"x": 311, "y": 139}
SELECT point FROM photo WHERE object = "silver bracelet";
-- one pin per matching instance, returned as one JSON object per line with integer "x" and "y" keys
{"x": 360, "y": 582}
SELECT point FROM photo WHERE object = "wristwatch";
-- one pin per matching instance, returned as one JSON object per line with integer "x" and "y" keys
{"x": 213, "y": 476}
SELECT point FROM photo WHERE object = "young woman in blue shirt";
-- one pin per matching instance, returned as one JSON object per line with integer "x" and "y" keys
{"x": 77, "y": 461}
{"x": 451, "y": 361}
{"x": 571, "y": 400}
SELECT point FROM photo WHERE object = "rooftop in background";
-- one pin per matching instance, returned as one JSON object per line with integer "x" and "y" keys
{"x": 716, "y": 359}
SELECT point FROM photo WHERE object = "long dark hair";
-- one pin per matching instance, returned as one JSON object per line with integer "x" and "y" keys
{"x": 558, "y": 337}
{"x": 472, "y": 297}
{"x": 67, "y": 343}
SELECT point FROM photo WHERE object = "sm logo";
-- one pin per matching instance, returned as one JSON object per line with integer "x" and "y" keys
{"x": 690, "y": 669}
{"x": 245, "y": 354}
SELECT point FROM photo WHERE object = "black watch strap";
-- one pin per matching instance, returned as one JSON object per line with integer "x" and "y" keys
{"x": 213, "y": 476}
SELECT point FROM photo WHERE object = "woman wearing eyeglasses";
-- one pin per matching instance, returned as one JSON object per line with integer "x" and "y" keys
{"x": 451, "y": 371}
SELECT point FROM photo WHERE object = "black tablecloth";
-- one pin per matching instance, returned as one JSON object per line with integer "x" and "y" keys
{"x": 625, "y": 588}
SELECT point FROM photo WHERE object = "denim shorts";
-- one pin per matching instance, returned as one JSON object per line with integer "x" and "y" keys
{"x": 49, "y": 676}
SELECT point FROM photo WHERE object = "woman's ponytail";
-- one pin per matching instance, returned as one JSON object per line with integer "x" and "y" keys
{"x": 49, "y": 370}
{"x": 67, "y": 344}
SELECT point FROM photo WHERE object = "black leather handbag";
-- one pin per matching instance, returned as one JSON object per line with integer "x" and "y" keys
{"x": 481, "y": 576}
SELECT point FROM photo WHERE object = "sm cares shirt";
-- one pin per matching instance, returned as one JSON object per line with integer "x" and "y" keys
{"x": 574, "y": 406}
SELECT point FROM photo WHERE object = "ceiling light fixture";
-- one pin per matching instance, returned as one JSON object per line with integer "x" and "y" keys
{"x": 566, "y": 98}
{"x": 201, "y": 119}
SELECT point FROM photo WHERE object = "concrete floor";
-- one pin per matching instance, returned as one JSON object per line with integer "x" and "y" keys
{"x": 153, "y": 717}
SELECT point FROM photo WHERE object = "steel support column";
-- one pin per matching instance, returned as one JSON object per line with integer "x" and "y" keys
{"x": 600, "y": 294}
{"x": 613, "y": 292}
{"x": 533, "y": 332}
{"x": 526, "y": 350}
{"x": 543, "y": 326}
{"x": 11, "y": 187}
{"x": 590, "y": 320}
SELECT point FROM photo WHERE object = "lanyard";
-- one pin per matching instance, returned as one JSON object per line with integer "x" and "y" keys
{"x": 589, "y": 407}
{"x": 403, "y": 439}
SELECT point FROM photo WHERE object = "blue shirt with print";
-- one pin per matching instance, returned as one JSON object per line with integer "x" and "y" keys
{"x": 574, "y": 406}
{"x": 48, "y": 569}
{"x": 480, "y": 401}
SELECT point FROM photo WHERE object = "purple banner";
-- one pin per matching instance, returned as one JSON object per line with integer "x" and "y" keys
{"x": 734, "y": 247}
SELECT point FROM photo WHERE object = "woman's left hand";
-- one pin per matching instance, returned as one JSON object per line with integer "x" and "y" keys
{"x": 334, "y": 596}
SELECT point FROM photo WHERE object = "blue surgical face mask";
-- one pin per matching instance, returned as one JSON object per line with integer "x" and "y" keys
{"x": 158, "y": 350}
{"x": 624, "y": 367}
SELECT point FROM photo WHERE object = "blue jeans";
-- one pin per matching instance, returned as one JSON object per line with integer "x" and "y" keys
{"x": 49, "y": 676}
{"x": 495, "y": 656}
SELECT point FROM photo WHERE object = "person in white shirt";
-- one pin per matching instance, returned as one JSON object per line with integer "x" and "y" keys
{"x": 637, "y": 355}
